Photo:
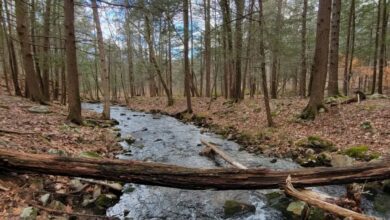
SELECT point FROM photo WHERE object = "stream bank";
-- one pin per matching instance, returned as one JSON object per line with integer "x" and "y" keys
{"x": 161, "y": 138}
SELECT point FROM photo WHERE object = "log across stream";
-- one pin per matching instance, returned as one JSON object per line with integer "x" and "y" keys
{"x": 165, "y": 140}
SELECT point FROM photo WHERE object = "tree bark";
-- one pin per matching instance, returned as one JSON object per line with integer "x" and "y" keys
{"x": 71, "y": 65}
{"x": 320, "y": 62}
{"x": 186, "y": 60}
{"x": 377, "y": 33}
{"x": 262, "y": 67}
{"x": 188, "y": 178}
{"x": 103, "y": 63}
{"x": 275, "y": 51}
{"x": 302, "y": 80}
{"x": 207, "y": 42}
{"x": 382, "y": 59}
{"x": 347, "y": 50}
{"x": 46, "y": 50}
{"x": 238, "y": 44}
{"x": 22, "y": 27}
{"x": 129, "y": 52}
{"x": 333, "y": 87}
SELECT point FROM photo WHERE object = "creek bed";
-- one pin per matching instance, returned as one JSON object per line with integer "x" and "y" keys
{"x": 164, "y": 139}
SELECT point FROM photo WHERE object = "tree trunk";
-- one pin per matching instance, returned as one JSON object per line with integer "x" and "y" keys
{"x": 207, "y": 43}
{"x": 34, "y": 44}
{"x": 302, "y": 80}
{"x": 103, "y": 62}
{"x": 378, "y": 21}
{"x": 152, "y": 58}
{"x": 46, "y": 50}
{"x": 71, "y": 65}
{"x": 150, "y": 173}
{"x": 238, "y": 44}
{"x": 347, "y": 50}
{"x": 248, "y": 49}
{"x": 262, "y": 68}
{"x": 129, "y": 52}
{"x": 320, "y": 62}
{"x": 12, "y": 53}
{"x": 382, "y": 59}
{"x": 275, "y": 52}
{"x": 333, "y": 87}
{"x": 32, "y": 79}
{"x": 229, "y": 61}
{"x": 186, "y": 60}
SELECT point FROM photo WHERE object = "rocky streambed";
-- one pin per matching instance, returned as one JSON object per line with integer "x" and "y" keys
{"x": 161, "y": 138}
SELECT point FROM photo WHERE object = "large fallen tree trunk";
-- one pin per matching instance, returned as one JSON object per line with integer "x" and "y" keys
{"x": 187, "y": 178}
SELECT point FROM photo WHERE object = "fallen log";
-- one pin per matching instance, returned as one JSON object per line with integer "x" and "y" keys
{"x": 222, "y": 154}
{"x": 316, "y": 200}
{"x": 148, "y": 173}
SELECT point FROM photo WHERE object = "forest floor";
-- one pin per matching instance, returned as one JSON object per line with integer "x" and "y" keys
{"x": 366, "y": 123}
{"x": 22, "y": 130}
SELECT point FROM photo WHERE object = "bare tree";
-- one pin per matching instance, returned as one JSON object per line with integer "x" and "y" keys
{"x": 382, "y": 47}
{"x": 103, "y": 62}
{"x": 374, "y": 72}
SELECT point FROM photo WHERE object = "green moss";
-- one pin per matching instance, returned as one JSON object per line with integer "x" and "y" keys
{"x": 358, "y": 152}
{"x": 366, "y": 125}
{"x": 105, "y": 200}
{"x": 90, "y": 155}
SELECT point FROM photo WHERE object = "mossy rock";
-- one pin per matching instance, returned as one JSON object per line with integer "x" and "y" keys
{"x": 361, "y": 152}
{"x": 105, "y": 201}
{"x": 234, "y": 208}
{"x": 316, "y": 214}
{"x": 297, "y": 208}
{"x": 90, "y": 155}
{"x": 316, "y": 143}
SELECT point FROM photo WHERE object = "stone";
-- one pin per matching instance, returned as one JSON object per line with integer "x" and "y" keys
{"x": 90, "y": 155}
{"x": 76, "y": 184}
{"x": 45, "y": 199}
{"x": 339, "y": 160}
{"x": 39, "y": 109}
{"x": 324, "y": 158}
{"x": 234, "y": 208}
{"x": 297, "y": 207}
{"x": 317, "y": 144}
{"x": 29, "y": 213}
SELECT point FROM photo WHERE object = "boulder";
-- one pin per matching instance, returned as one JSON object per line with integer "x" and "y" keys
{"x": 39, "y": 109}
{"x": 234, "y": 208}
{"x": 339, "y": 160}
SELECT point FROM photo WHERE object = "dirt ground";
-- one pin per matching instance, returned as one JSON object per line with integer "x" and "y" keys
{"x": 21, "y": 130}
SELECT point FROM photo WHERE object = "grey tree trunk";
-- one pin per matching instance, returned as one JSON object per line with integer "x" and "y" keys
{"x": 103, "y": 63}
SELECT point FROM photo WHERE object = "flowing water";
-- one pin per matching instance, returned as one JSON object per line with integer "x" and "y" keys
{"x": 164, "y": 139}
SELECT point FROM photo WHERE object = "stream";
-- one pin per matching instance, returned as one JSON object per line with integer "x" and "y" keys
{"x": 164, "y": 139}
